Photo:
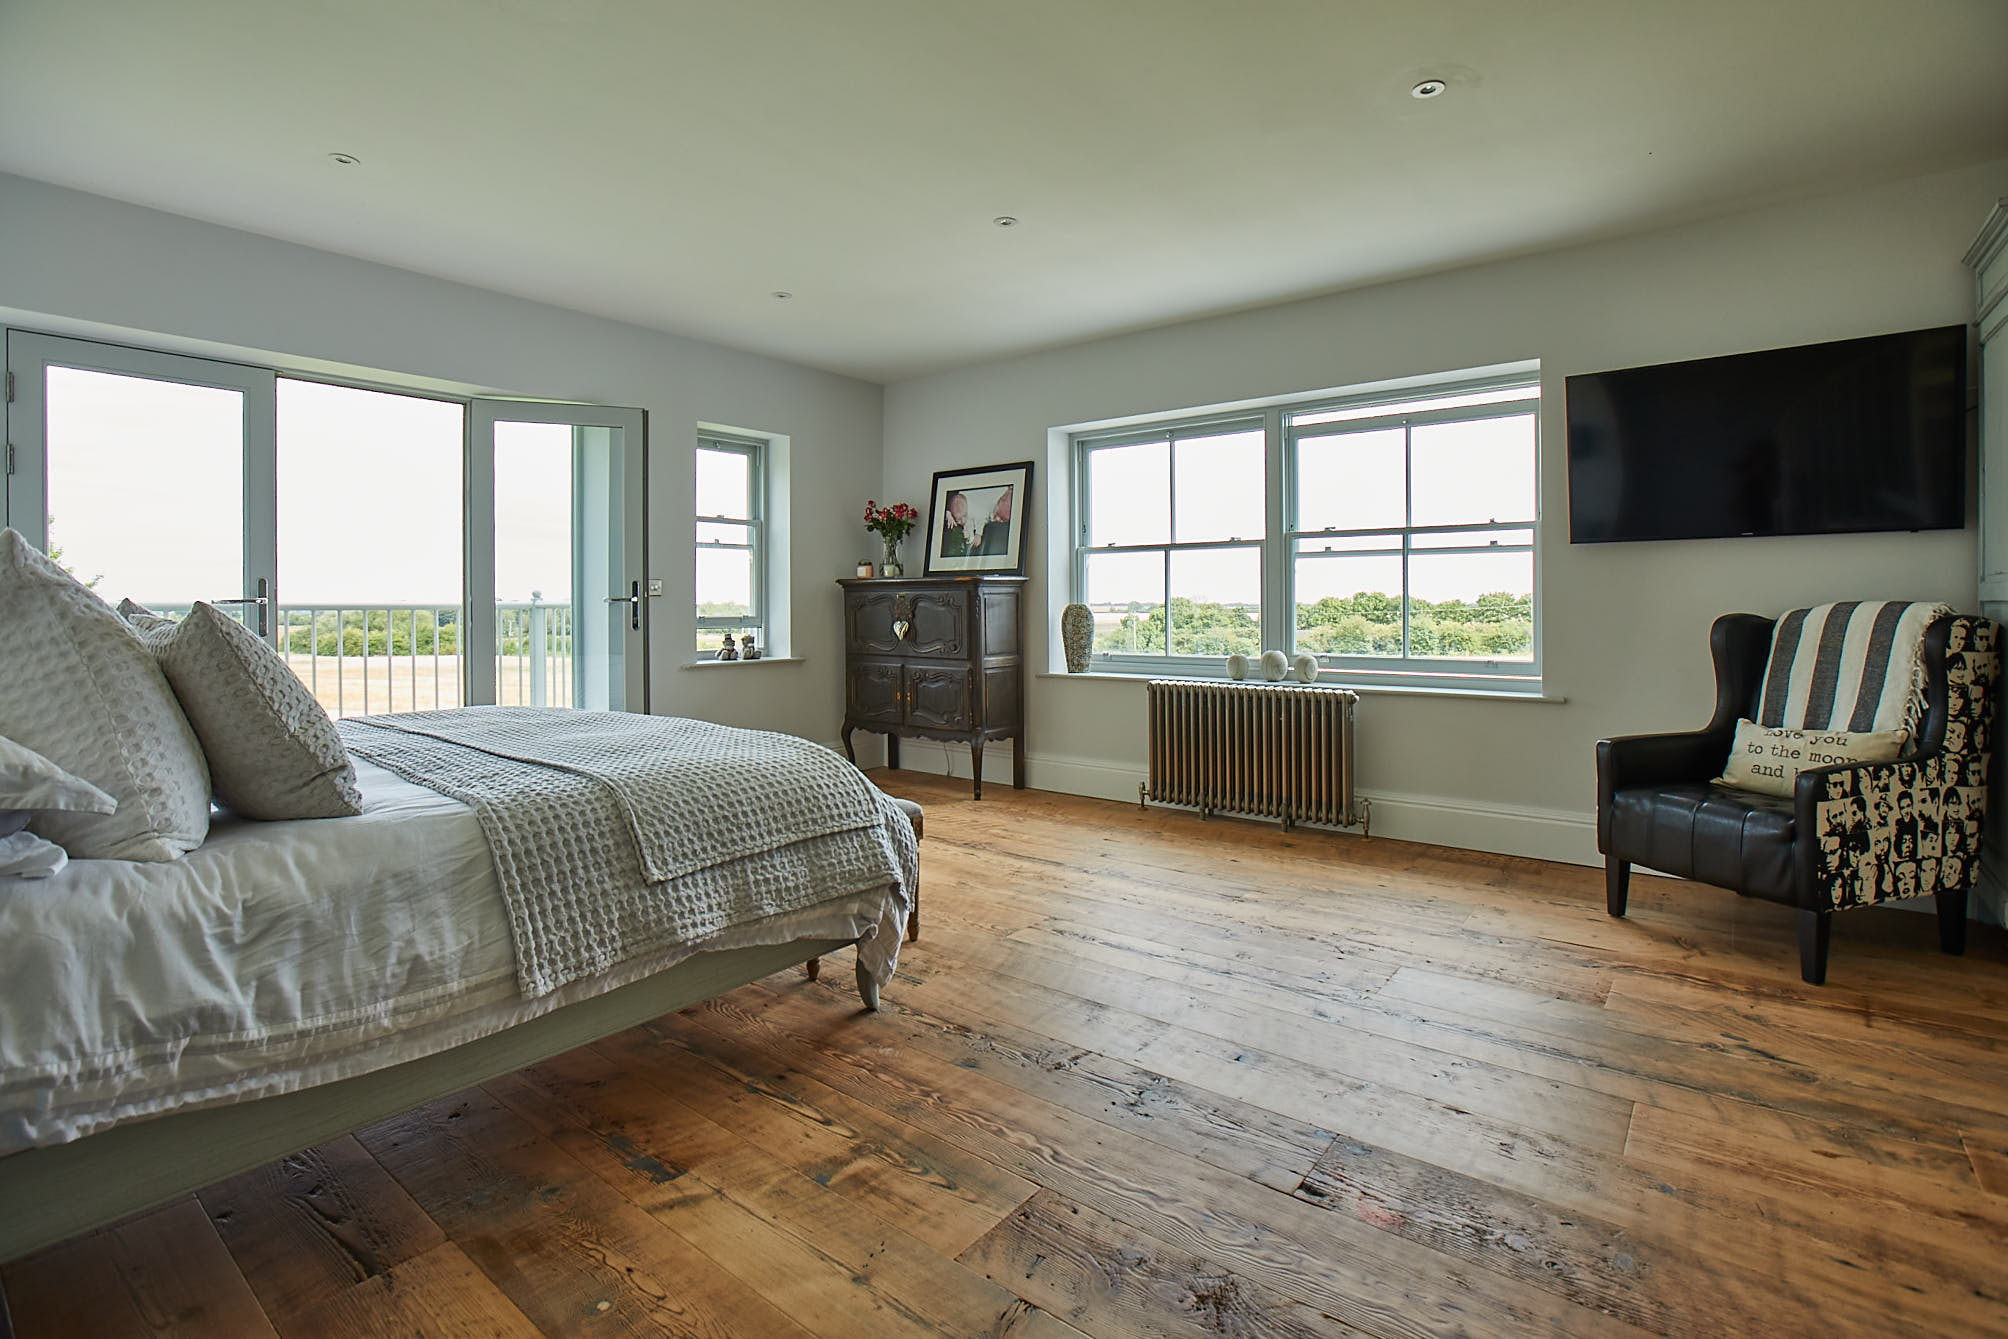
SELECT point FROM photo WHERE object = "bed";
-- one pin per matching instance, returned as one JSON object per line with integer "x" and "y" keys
{"x": 165, "y": 1025}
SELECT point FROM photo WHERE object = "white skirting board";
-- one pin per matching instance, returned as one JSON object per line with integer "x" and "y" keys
{"x": 1565, "y": 835}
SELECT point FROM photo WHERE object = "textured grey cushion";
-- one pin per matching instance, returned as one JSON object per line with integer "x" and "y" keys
{"x": 273, "y": 752}
{"x": 78, "y": 687}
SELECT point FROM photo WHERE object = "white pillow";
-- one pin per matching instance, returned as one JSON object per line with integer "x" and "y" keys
{"x": 1768, "y": 759}
{"x": 273, "y": 753}
{"x": 30, "y": 781}
{"x": 78, "y": 687}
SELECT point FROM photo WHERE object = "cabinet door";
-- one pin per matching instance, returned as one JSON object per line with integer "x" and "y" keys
{"x": 940, "y": 623}
{"x": 939, "y": 699}
{"x": 872, "y": 692}
{"x": 868, "y": 619}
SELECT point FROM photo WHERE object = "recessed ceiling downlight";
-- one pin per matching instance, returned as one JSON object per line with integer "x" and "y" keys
{"x": 1006, "y": 221}
{"x": 1429, "y": 88}
{"x": 346, "y": 159}
{"x": 781, "y": 295}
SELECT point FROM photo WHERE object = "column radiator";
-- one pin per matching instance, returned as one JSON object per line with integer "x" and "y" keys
{"x": 1267, "y": 749}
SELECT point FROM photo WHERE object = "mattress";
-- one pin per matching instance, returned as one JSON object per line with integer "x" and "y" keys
{"x": 281, "y": 955}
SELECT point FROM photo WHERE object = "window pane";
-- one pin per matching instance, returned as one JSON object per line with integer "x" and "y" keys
{"x": 370, "y": 497}
{"x": 146, "y": 486}
{"x": 533, "y": 513}
{"x": 724, "y": 483}
{"x": 724, "y": 583}
{"x": 1472, "y": 605}
{"x": 718, "y": 532}
{"x": 1349, "y": 606}
{"x": 1126, "y": 593}
{"x": 1219, "y": 490}
{"x": 1129, "y": 495}
{"x": 1482, "y": 470}
{"x": 1351, "y": 481}
{"x": 1216, "y": 602}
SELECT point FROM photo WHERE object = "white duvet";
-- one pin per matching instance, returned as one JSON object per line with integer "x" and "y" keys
{"x": 281, "y": 955}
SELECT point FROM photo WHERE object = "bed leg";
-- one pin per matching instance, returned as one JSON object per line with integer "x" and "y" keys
{"x": 868, "y": 989}
{"x": 814, "y": 967}
{"x": 6, "y": 1321}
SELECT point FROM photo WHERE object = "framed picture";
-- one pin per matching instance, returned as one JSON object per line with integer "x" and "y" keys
{"x": 976, "y": 519}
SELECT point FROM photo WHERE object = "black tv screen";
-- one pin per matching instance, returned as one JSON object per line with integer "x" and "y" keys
{"x": 1859, "y": 434}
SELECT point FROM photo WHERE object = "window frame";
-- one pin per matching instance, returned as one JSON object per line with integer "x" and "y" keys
{"x": 1281, "y": 425}
{"x": 754, "y": 449}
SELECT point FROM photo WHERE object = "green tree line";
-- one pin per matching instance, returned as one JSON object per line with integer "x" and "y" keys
{"x": 1498, "y": 624}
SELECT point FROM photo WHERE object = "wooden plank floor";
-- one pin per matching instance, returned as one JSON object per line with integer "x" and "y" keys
{"x": 1147, "y": 1075}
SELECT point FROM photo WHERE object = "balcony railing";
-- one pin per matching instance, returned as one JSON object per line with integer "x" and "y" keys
{"x": 365, "y": 658}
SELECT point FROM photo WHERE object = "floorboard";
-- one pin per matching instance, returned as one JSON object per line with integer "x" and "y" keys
{"x": 1147, "y": 1075}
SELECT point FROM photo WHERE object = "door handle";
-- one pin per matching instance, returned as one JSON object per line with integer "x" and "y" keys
{"x": 259, "y": 601}
{"x": 633, "y": 601}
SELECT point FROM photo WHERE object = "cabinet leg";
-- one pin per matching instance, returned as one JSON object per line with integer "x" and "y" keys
{"x": 892, "y": 752}
{"x": 814, "y": 967}
{"x": 1018, "y": 763}
{"x": 976, "y": 767}
{"x": 849, "y": 752}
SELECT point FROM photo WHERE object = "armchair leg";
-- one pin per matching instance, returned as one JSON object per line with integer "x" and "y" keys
{"x": 1952, "y": 922}
{"x": 1815, "y": 929}
{"x": 1617, "y": 885}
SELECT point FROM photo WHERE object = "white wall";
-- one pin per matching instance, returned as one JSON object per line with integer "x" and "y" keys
{"x": 80, "y": 264}
{"x": 1625, "y": 626}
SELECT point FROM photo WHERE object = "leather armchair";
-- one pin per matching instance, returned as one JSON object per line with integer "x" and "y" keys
{"x": 1849, "y": 835}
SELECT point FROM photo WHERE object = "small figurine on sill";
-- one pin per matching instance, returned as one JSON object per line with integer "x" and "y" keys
{"x": 747, "y": 650}
{"x": 728, "y": 651}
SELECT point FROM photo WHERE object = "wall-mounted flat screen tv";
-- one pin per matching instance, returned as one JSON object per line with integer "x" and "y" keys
{"x": 1859, "y": 434}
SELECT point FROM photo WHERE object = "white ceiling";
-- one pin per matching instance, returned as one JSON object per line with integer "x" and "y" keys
{"x": 672, "y": 162}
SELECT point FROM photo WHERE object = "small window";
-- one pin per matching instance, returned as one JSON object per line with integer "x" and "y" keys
{"x": 731, "y": 542}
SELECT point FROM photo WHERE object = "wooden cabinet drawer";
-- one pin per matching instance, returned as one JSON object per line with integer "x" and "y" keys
{"x": 898, "y": 621}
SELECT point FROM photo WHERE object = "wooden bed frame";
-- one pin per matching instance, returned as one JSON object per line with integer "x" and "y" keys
{"x": 110, "y": 1175}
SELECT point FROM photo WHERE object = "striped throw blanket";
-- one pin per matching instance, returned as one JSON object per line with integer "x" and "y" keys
{"x": 1856, "y": 665}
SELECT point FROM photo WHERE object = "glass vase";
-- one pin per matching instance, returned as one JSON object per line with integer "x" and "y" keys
{"x": 892, "y": 567}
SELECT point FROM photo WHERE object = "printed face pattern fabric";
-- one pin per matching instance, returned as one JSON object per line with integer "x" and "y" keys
{"x": 1909, "y": 829}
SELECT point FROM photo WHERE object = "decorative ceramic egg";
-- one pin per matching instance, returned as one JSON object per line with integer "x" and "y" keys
{"x": 1306, "y": 668}
{"x": 1237, "y": 666}
{"x": 1274, "y": 665}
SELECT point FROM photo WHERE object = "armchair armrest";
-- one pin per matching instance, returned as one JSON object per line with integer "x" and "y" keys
{"x": 1739, "y": 645}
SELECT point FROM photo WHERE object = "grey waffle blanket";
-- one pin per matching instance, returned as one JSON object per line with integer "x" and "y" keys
{"x": 616, "y": 834}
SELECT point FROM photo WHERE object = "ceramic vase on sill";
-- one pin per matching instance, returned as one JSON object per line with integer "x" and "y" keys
{"x": 1077, "y": 633}
{"x": 891, "y": 567}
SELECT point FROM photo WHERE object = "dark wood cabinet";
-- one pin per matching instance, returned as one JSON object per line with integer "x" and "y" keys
{"x": 936, "y": 658}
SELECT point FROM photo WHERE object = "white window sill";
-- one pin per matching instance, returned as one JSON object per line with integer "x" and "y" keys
{"x": 737, "y": 664}
{"x": 1329, "y": 680}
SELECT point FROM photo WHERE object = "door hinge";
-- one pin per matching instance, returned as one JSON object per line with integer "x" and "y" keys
{"x": 10, "y": 386}
{"x": 10, "y": 457}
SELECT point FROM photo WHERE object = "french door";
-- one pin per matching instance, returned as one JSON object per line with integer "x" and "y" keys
{"x": 565, "y": 598}
{"x": 378, "y": 539}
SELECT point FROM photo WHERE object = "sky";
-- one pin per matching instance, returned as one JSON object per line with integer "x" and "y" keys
{"x": 146, "y": 486}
